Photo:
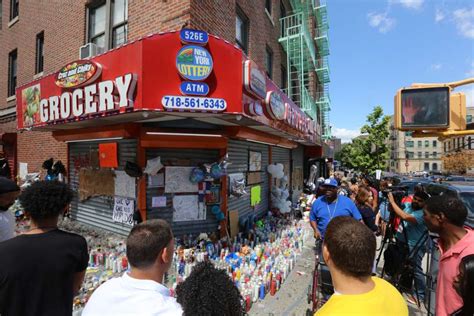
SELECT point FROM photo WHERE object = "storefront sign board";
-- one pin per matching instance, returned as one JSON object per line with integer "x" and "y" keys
{"x": 254, "y": 79}
{"x": 194, "y": 36}
{"x": 78, "y": 74}
{"x": 194, "y": 62}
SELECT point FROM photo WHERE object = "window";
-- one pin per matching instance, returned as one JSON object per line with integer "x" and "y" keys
{"x": 408, "y": 133}
{"x": 108, "y": 28}
{"x": 284, "y": 79}
{"x": 268, "y": 6}
{"x": 241, "y": 30}
{"x": 12, "y": 72}
{"x": 420, "y": 143}
{"x": 435, "y": 144}
{"x": 39, "y": 53}
{"x": 434, "y": 166}
{"x": 410, "y": 143}
{"x": 426, "y": 166}
{"x": 269, "y": 62}
{"x": 282, "y": 15}
{"x": 427, "y": 155}
{"x": 392, "y": 163}
{"x": 119, "y": 22}
{"x": 468, "y": 118}
{"x": 14, "y": 9}
{"x": 469, "y": 142}
{"x": 427, "y": 143}
{"x": 420, "y": 154}
{"x": 410, "y": 155}
{"x": 435, "y": 154}
{"x": 97, "y": 25}
{"x": 282, "y": 10}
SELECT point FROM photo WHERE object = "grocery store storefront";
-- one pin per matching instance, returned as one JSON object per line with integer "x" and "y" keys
{"x": 170, "y": 126}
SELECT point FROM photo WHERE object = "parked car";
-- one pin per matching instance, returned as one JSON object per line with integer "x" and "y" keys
{"x": 455, "y": 178}
{"x": 410, "y": 184}
{"x": 463, "y": 191}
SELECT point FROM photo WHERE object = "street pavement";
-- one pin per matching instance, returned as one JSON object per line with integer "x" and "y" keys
{"x": 291, "y": 299}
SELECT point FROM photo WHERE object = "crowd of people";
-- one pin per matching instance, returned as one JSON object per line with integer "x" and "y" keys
{"x": 43, "y": 268}
{"x": 362, "y": 202}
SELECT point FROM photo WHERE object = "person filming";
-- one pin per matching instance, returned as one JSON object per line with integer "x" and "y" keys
{"x": 413, "y": 230}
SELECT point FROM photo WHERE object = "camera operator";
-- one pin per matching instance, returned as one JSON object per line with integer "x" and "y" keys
{"x": 414, "y": 229}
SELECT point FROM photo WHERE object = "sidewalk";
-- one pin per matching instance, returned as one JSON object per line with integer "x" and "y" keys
{"x": 291, "y": 299}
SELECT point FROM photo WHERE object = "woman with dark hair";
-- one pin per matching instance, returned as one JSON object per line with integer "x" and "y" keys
{"x": 42, "y": 269}
{"x": 464, "y": 286}
{"x": 362, "y": 202}
{"x": 209, "y": 291}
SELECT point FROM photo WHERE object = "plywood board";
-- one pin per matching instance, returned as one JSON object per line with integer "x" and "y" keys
{"x": 234, "y": 223}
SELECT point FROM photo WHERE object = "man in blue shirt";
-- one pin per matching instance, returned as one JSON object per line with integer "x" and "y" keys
{"x": 329, "y": 206}
{"x": 414, "y": 228}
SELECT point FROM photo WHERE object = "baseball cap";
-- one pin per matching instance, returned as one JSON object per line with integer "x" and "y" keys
{"x": 330, "y": 182}
{"x": 7, "y": 186}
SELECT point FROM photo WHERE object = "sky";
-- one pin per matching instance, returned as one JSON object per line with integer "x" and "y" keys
{"x": 380, "y": 46}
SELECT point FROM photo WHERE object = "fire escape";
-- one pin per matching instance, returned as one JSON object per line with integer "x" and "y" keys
{"x": 304, "y": 39}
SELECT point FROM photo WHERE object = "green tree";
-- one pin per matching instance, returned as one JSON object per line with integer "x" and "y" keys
{"x": 370, "y": 152}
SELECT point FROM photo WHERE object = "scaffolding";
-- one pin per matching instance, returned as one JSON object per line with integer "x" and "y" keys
{"x": 304, "y": 37}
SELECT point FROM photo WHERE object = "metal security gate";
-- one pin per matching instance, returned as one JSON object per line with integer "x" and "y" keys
{"x": 97, "y": 211}
{"x": 297, "y": 157}
{"x": 180, "y": 158}
{"x": 239, "y": 157}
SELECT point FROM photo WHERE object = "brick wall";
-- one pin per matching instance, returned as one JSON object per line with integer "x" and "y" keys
{"x": 218, "y": 18}
{"x": 147, "y": 17}
{"x": 63, "y": 23}
{"x": 64, "y": 26}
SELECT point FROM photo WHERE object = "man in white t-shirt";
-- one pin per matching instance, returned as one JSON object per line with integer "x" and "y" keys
{"x": 9, "y": 192}
{"x": 150, "y": 247}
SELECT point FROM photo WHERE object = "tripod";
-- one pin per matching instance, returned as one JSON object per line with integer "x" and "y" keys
{"x": 403, "y": 269}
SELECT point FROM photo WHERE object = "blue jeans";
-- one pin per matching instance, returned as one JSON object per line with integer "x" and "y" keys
{"x": 420, "y": 279}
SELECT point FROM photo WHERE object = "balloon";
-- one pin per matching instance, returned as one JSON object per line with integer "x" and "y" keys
{"x": 197, "y": 175}
{"x": 216, "y": 171}
{"x": 153, "y": 166}
{"x": 279, "y": 167}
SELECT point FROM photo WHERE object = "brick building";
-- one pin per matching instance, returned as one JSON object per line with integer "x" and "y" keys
{"x": 287, "y": 40}
{"x": 38, "y": 37}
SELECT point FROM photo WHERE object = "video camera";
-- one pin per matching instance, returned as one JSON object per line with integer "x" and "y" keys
{"x": 398, "y": 192}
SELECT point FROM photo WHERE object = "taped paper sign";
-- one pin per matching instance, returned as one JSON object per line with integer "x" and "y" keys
{"x": 156, "y": 181}
{"x": 124, "y": 185}
{"x": 158, "y": 201}
{"x": 186, "y": 208}
{"x": 123, "y": 210}
{"x": 255, "y": 195}
{"x": 177, "y": 180}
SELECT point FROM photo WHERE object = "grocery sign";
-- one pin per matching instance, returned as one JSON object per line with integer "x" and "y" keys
{"x": 194, "y": 63}
{"x": 78, "y": 73}
{"x": 92, "y": 99}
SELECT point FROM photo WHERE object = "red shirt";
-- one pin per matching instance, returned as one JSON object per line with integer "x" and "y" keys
{"x": 447, "y": 299}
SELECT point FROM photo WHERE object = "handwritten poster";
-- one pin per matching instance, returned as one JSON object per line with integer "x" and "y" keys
{"x": 124, "y": 185}
{"x": 186, "y": 208}
{"x": 177, "y": 180}
{"x": 123, "y": 210}
{"x": 158, "y": 201}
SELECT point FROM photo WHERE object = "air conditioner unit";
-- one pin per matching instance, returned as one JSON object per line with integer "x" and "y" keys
{"x": 90, "y": 50}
